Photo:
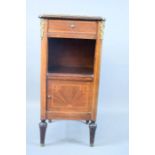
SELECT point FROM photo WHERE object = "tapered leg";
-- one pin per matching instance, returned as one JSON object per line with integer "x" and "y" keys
{"x": 42, "y": 126}
{"x": 92, "y": 129}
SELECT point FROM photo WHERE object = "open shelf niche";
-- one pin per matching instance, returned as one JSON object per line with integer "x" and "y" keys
{"x": 71, "y": 56}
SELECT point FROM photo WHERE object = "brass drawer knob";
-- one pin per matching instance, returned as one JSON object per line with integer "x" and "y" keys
{"x": 49, "y": 96}
{"x": 72, "y": 26}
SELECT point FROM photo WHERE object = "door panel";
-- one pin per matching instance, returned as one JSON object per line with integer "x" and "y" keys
{"x": 65, "y": 96}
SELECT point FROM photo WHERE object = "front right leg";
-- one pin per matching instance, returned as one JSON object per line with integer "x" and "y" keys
{"x": 92, "y": 128}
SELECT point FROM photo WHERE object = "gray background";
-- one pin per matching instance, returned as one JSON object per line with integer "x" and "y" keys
{"x": 70, "y": 137}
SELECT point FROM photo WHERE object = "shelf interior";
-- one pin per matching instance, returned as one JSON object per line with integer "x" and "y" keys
{"x": 71, "y": 56}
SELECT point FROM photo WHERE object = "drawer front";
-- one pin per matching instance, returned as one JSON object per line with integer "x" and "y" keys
{"x": 72, "y": 29}
{"x": 68, "y": 96}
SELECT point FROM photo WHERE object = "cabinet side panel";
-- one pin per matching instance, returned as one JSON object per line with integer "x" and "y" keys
{"x": 97, "y": 70}
{"x": 43, "y": 67}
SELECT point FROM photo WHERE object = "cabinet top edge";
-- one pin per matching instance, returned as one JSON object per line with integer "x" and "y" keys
{"x": 67, "y": 17}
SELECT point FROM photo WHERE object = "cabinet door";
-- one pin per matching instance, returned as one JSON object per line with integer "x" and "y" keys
{"x": 69, "y": 96}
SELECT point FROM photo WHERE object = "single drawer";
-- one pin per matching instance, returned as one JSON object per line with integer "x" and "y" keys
{"x": 72, "y": 29}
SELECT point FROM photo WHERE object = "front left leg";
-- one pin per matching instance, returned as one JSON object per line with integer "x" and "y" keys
{"x": 42, "y": 126}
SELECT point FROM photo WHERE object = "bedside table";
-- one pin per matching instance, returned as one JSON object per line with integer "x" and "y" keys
{"x": 70, "y": 69}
